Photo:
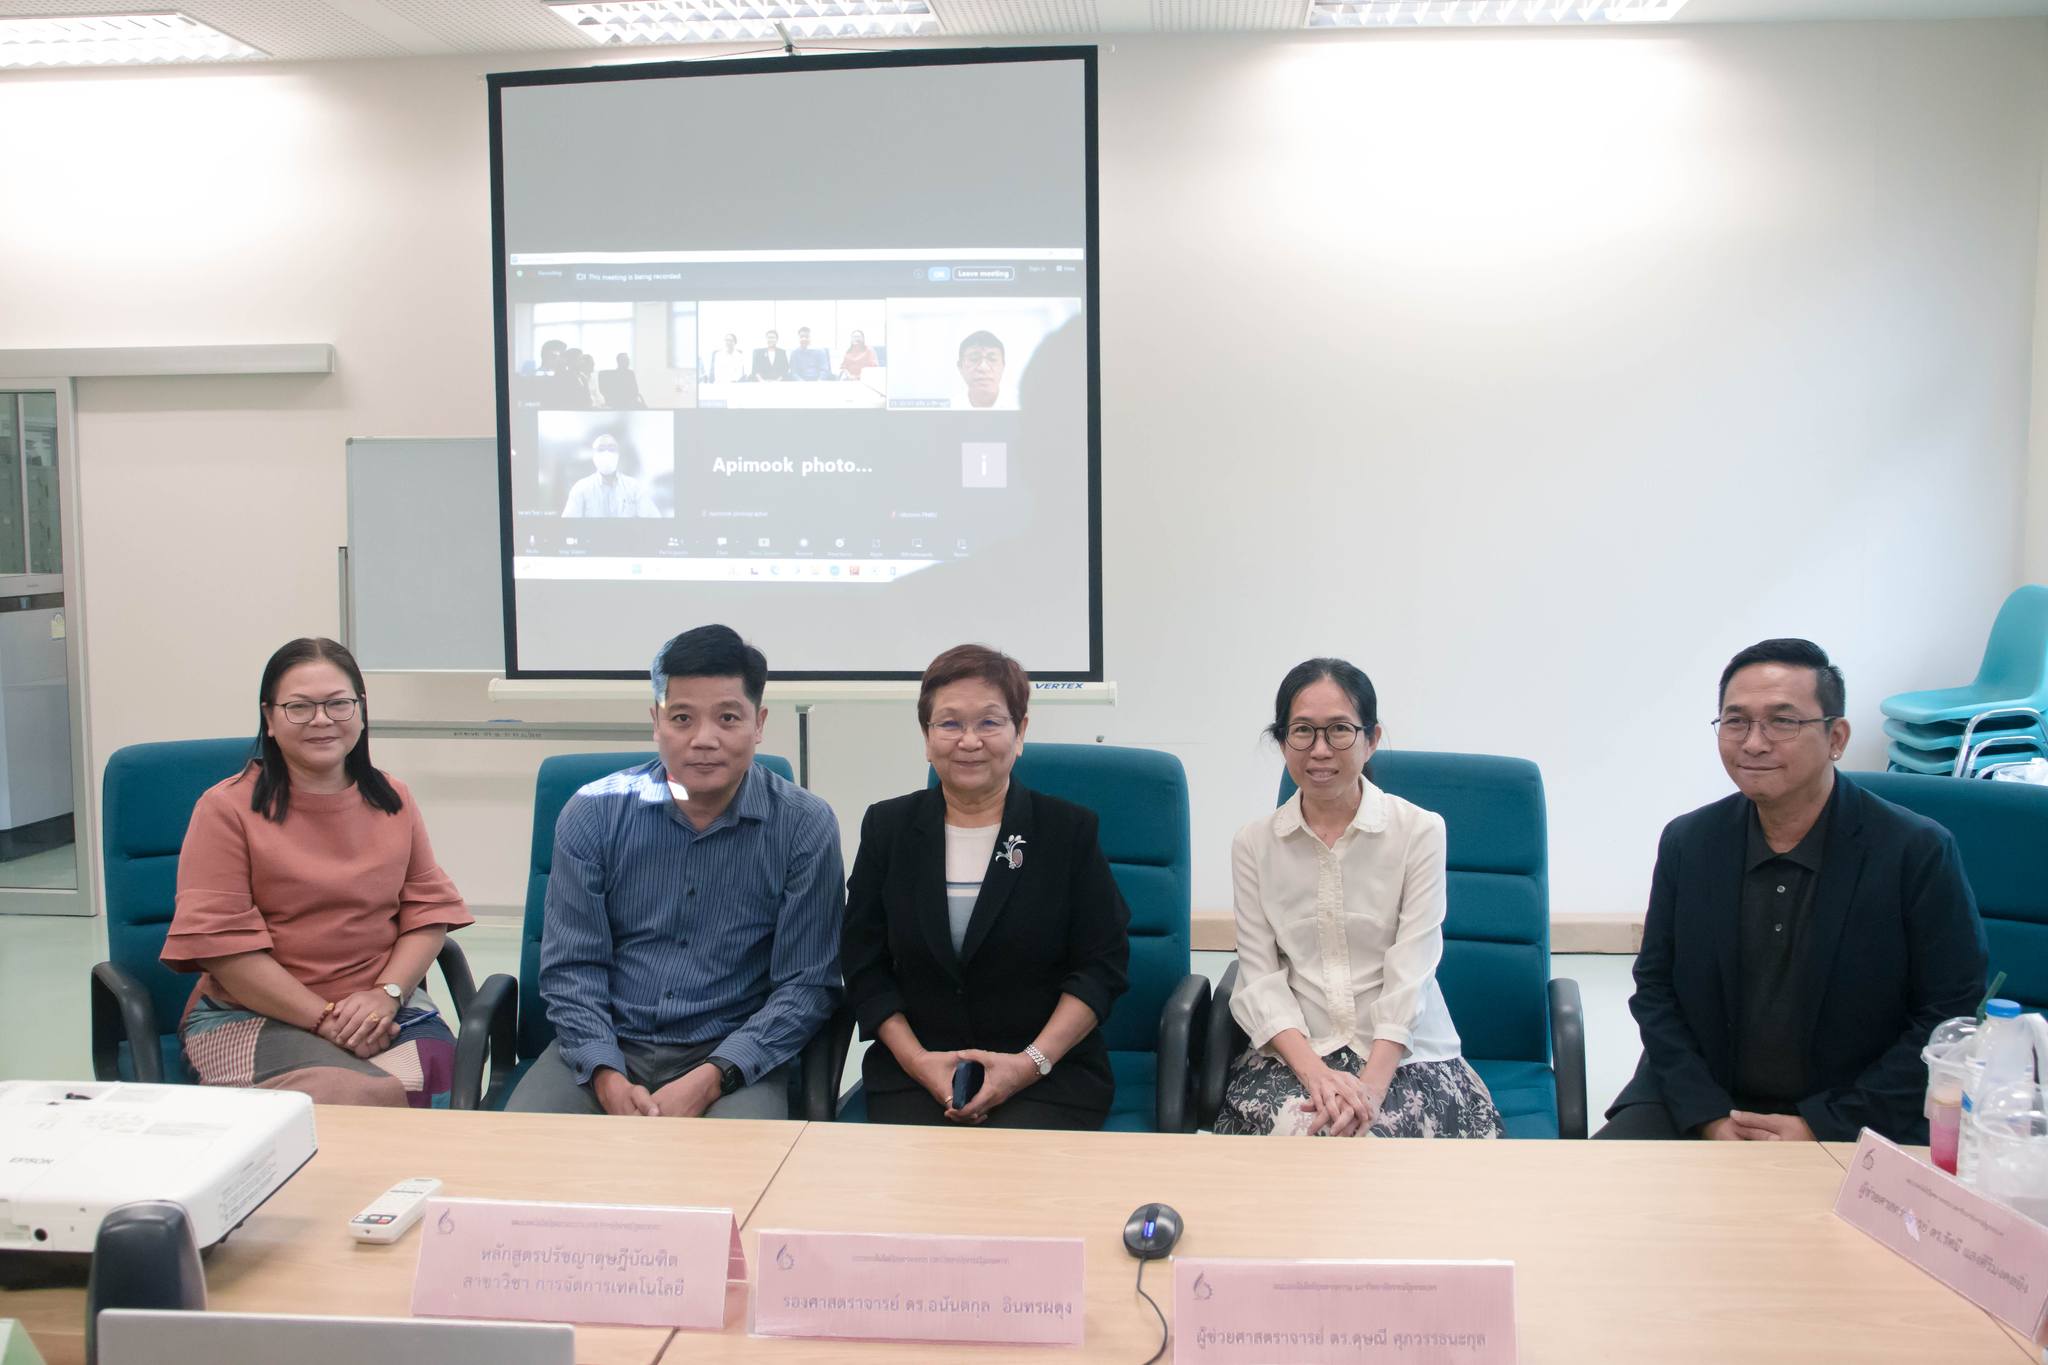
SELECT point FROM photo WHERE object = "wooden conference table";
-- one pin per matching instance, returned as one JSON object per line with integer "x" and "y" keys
{"x": 1676, "y": 1252}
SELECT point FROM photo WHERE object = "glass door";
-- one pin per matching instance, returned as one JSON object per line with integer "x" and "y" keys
{"x": 39, "y": 816}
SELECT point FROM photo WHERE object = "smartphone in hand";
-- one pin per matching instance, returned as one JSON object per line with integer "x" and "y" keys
{"x": 967, "y": 1078}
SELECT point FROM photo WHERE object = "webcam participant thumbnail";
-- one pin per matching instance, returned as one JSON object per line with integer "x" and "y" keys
{"x": 604, "y": 464}
{"x": 966, "y": 355}
{"x": 614, "y": 355}
{"x": 793, "y": 353}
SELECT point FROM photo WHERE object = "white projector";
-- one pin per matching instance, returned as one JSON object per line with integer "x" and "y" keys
{"x": 73, "y": 1151}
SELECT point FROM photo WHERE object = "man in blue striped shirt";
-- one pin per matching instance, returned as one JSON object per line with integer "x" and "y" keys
{"x": 691, "y": 946}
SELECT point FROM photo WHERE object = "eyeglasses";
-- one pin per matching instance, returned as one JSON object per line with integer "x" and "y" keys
{"x": 1777, "y": 727}
{"x": 1342, "y": 734}
{"x": 337, "y": 709}
{"x": 985, "y": 729}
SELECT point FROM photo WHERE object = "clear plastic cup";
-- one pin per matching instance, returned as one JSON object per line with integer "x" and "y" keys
{"x": 1950, "y": 1033}
{"x": 1950, "y": 1058}
{"x": 2012, "y": 1134}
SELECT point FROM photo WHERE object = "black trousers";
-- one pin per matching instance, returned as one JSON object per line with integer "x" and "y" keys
{"x": 1650, "y": 1122}
{"x": 1019, "y": 1111}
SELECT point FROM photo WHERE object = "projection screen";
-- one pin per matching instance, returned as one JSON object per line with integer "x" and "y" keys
{"x": 805, "y": 345}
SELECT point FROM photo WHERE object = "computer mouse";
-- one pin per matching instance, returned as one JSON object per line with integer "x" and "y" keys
{"x": 1152, "y": 1231}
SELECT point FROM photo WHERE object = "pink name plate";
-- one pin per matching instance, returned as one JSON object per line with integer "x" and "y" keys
{"x": 1992, "y": 1256}
{"x": 1416, "y": 1312}
{"x": 1018, "y": 1290}
{"x": 627, "y": 1265}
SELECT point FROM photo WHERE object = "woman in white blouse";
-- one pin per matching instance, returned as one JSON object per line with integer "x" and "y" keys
{"x": 1340, "y": 917}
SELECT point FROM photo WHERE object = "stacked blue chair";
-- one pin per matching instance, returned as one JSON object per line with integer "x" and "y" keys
{"x": 2001, "y": 830}
{"x": 147, "y": 800}
{"x": 508, "y": 1026}
{"x": 1155, "y": 1031}
{"x": 1522, "y": 1031}
{"x": 1994, "y": 720}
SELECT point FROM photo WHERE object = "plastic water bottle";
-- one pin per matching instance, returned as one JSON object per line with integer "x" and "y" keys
{"x": 2005, "y": 1048}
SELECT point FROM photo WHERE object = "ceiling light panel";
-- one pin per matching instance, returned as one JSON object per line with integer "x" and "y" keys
{"x": 1334, "y": 14}
{"x": 634, "y": 22}
{"x": 116, "y": 40}
{"x": 1018, "y": 18}
{"x": 483, "y": 25}
{"x": 1226, "y": 16}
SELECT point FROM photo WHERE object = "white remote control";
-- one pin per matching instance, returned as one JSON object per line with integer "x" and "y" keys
{"x": 394, "y": 1212}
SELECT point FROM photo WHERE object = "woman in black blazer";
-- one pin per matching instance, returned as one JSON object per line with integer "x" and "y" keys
{"x": 982, "y": 925}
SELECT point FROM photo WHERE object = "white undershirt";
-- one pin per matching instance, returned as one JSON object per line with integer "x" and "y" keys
{"x": 968, "y": 855}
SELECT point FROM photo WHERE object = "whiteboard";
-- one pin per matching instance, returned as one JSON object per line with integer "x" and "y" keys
{"x": 424, "y": 585}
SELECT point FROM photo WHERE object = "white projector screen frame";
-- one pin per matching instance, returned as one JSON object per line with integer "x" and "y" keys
{"x": 678, "y": 592}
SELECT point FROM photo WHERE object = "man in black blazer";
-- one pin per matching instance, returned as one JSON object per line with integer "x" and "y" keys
{"x": 771, "y": 362}
{"x": 1803, "y": 936}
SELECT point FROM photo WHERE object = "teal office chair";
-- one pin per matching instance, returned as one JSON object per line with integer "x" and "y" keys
{"x": 1522, "y": 1030}
{"x": 2011, "y": 683}
{"x": 1155, "y": 1030}
{"x": 508, "y": 1025}
{"x": 2000, "y": 829}
{"x": 147, "y": 799}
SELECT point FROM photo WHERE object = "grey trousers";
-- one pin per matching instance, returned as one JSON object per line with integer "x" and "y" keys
{"x": 549, "y": 1086}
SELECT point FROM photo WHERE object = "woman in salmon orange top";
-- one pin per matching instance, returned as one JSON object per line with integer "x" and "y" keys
{"x": 310, "y": 902}
{"x": 859, "y": 356}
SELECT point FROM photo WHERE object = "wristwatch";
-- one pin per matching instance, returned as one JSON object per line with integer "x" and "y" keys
{"x": 730, "y": 1077}
{"x": 1038, "y": 1059}
{"x": 390, "y": 988}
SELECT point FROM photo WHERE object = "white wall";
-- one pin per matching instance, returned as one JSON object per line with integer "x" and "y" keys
{"x": 2037, "y": 476}
{"x": 1535, "y": 372}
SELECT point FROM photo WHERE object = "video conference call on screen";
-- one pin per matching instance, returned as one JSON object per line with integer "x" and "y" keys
{"x": 805, "y": 360}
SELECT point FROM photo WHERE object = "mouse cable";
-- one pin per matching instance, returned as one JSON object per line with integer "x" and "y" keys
{"x": 1163, "y": 1333}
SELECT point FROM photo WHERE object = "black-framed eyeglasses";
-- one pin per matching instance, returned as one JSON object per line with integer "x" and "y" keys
{"x": 1341, "y": 734}
{"x": 1777, "y": 727}
{"x": 337, "y": 709}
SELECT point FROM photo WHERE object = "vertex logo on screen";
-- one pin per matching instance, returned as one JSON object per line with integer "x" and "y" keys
{"x": 1056, "y": 687}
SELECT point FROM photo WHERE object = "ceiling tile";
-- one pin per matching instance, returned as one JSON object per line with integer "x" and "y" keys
{"x": 321, "y": 30}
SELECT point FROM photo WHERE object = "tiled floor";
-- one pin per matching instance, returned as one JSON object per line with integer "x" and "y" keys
{"x": 53, "y": 867}
{"x": 44, "y": 960}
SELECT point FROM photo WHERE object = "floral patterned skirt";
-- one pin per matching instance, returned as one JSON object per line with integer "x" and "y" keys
{"x": 1263, "y": 1098}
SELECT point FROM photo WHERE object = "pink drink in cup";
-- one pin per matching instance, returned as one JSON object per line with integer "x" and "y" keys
{"x": 1944, "y": 1129}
